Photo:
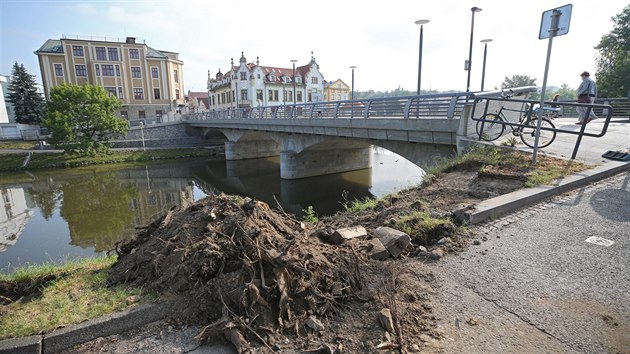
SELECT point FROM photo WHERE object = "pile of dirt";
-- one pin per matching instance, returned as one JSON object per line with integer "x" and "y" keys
{"x": 267, "y": 282}
{"x": 259, "y": 276}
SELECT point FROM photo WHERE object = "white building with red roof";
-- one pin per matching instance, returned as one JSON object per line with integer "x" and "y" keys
{"x": 253, "y": 85}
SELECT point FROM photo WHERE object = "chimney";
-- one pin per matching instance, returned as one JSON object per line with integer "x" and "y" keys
{"x": 131, "y": 40}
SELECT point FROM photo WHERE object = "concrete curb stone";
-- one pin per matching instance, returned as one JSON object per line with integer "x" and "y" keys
{"x": 64, "y": 338}
{"x": 503, "y": 204}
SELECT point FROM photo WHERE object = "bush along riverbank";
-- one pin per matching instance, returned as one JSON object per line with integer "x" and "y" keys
{"x": 41, "y": 160}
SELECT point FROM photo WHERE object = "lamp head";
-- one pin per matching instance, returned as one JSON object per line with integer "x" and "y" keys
{"x": 422, "y": 22}
{"x": 353, "y": 67}
{"x": 475, "y": 9}
{"x": 486, "y": 40}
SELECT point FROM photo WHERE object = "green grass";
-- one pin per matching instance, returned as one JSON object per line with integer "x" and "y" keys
{"x": 52, "y": 296}
{"x": 360, "y": 204}
{"x": 17, "y": 145}
{"x": 41, "y": 160}
{"x": 425, "y": 229}
{"x": 545, "y": 171}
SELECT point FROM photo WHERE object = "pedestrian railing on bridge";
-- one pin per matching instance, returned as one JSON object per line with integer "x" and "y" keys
{"x": 446, "y": 106}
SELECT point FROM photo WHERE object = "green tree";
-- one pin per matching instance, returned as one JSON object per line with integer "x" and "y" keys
{"x": 566, "y": 93}
{"x": 27, "y": 102}
{"x": 613, "y": 60}
{"x": 82, "y": 118}
{"x": 517, "y": 81}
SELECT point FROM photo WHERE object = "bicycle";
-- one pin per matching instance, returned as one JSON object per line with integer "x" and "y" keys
{"x": 492, "y": 125}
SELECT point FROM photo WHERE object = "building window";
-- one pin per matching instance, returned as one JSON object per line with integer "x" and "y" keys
{"x": 158, "y": 115}
{"x": 108, "y": 70}
{"x": 138, "y": 93}
{"x": 98, "y": 70}
{"x": 176, "y": 75}
{"x": 176, "y": 94}
{"x": 58, "y": 70}
{"x": 289, "y": 95}
{"x": 243, "y": 75}
{"x": 244, "y": 95}
{"x": 124, "y": 114}
{"x": 120, "y": 93}
{"x": 156, "y": 93}
{"x": 310, "y": 97}
{"x": 141, "y": 115}
{"x": 154, "y": 73}
{"x": 273, "y": 95}
{"x": 117, "y": 70}
{"x": 135, "y": 72}
{"x": 258, "y": 75}
{"x": 111, "y": 91}
{"x": 298, "y": 79}
{"x": 314, "y": 80}
{"x": 113, "y": 54}
{"x": 259, "y": 95}
{"x": 80, "y": 70}
{"x": 134, "y": 54}
{"x": 100, "y": 53}
{"x": 77, "y": 50}
{"x": 298, "y": 95}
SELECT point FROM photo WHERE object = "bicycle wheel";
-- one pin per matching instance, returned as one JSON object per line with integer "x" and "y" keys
{"x": 528, "y": 133}
{"x": 492, "y": 127}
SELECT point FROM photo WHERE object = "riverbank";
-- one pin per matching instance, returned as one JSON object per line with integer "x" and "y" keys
{"x": 19, "y": 159}
{"x": 424, "y": 212}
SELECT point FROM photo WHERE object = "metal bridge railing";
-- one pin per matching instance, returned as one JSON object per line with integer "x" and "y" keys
{"x": 447, "y": 106}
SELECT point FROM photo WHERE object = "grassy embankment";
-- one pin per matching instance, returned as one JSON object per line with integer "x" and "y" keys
{"x": 38, "y": 299}
{"x": 42, "y": 160}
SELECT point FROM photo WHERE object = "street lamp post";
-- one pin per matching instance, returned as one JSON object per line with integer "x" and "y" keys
{"x": 469, "y": 62}
{"x": 485, "y": 53}
{"x": 420, "y": 23}
{"x": 293, "y": 61}
{"x": 142, "y": 134}
{"x": 352, "y": 93}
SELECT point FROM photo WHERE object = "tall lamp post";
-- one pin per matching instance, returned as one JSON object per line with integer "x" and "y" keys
{"x": 469, "y": 62}
{"x": 352, "y": 92}
{"x": 420, "y": 23}
{"x": 485, "y": 54}
{"x": 293, "y": 61}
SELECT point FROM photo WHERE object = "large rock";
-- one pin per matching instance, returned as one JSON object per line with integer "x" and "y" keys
{"x": 394, "y": 241}
{"x": 377, "y": 251}
{"x": 346, "y": 233}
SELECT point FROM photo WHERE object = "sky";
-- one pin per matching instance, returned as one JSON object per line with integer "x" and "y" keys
{"x": 380, "y": 38}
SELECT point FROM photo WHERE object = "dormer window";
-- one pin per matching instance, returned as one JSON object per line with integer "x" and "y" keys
{"x": 272, "y": 77}
{"x": 298, "y": 80}
{"x": 243, "y": 75}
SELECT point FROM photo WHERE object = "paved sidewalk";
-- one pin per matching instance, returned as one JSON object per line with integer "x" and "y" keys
{"x": 555, "y": 275}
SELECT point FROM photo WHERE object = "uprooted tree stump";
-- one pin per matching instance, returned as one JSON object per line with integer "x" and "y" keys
{"x": 247, "y": 270}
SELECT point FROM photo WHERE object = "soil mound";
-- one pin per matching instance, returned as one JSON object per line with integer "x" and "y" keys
{"x": 258, "y": 276}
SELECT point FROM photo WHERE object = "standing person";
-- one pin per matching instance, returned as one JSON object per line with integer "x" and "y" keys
{"x": 586, "y": 94}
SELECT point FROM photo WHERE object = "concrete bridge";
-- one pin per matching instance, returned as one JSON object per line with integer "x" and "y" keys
{"x": 331, "y": 137}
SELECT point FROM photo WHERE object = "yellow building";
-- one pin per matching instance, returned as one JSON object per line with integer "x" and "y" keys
{"x": 149, "y": 82}
{"x": 336, "y": 91}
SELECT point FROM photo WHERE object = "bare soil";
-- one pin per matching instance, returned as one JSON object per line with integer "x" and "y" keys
{"x": 266, "y": 282}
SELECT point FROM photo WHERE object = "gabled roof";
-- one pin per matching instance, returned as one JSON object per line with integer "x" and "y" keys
{"x": 51, "y": 46}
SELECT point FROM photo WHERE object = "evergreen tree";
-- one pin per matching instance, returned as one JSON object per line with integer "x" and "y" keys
{"x": 27, "y": 102}
{"x": 613, "y": 62}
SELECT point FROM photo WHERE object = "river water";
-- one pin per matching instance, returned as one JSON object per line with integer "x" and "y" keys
{"x": 55, "y": 215}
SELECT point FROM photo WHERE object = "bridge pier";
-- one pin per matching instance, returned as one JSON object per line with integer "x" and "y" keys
{"x": 317, "y": 162}
{"x": 250, "y": 149}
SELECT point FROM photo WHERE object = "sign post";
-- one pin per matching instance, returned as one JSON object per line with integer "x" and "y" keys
{"x": 554, "y": 22}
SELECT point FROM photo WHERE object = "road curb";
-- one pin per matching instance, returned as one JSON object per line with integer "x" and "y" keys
{"x": 506, "y": 203}
{"x": 64, "y": 338}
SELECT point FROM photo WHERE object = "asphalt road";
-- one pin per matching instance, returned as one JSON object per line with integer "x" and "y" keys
{"x": 538, "y": 265}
